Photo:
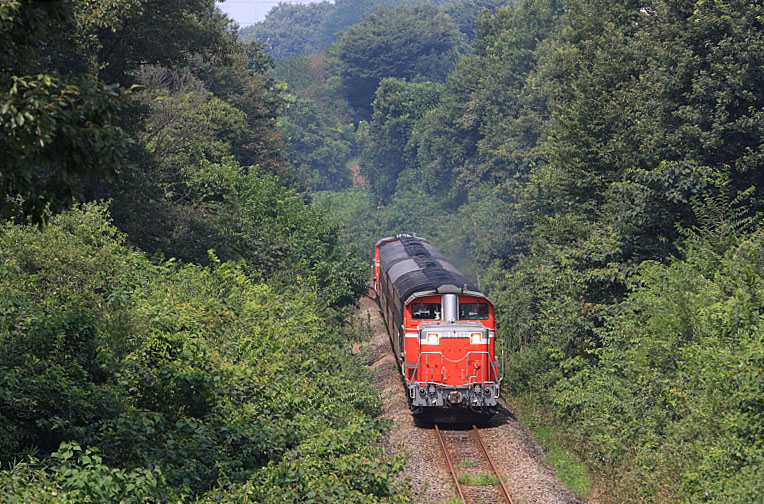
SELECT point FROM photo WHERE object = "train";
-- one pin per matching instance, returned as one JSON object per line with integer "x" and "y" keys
{"x": 442, "y": 328}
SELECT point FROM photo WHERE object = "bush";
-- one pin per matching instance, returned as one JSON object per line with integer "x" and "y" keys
{"x": 167, "y": 382}
{"x": 675, "y": 400}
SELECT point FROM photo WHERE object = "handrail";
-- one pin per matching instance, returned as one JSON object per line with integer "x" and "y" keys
{"x": 450, "y": 360}
{"x": 443, "y": 357}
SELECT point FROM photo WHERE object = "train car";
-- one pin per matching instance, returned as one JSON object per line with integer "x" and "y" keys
{"x": 441, "y": 327}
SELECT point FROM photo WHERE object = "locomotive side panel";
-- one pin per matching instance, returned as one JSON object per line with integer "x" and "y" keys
{"x": 392, "y": 309}
{"x": 384, "y": 297}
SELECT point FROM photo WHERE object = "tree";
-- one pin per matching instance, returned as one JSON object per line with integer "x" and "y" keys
{"x": 412, "y": 43}
{"x": 347, "y": 13}
{"x": 465, "y": 13}
{"x": 708, "y": 112}
{"x": 139, "y": 380}
{"x": 316, "y": 148}
{"x": 646, "y": 109}
{"x": 290, "y": 30}
{"x": 185, "y": 123}
{"x": 397, "y": 108}
{"x": 57, "y": 130}
{"x": 162, "y": 32}
{"x": 57, "y": 134}
{"x": 243, "y": 81}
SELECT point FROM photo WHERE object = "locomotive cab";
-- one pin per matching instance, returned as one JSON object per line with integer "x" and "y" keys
{"x": 448, "y": 360}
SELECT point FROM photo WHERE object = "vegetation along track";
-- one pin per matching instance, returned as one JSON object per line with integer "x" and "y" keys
{"x": 478, "y": 480}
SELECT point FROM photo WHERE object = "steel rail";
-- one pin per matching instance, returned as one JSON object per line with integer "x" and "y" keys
{"x": 450, "y": 465}
{"x": 493, "y": 466}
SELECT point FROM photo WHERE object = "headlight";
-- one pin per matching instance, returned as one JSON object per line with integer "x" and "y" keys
{"x": 476, "y": 338}
{"x": 432, "y": 338}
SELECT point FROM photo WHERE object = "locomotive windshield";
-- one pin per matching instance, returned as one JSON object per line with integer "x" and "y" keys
{"x": 425, "y": 311}
{"x": 473, "y": 311}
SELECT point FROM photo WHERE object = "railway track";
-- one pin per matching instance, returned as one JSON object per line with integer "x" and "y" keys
{"x": 468, "y": 460}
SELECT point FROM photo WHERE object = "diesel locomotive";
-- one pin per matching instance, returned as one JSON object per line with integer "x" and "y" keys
{"x": 441, "y": 328}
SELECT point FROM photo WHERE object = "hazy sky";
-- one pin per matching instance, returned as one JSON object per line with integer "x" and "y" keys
{"x": 247, "y": 12}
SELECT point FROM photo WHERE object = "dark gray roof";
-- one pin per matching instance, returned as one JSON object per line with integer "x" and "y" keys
{"x": 414, "y": 265}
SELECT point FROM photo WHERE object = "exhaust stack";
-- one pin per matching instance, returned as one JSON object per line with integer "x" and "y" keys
{"x": 450, "y": 308}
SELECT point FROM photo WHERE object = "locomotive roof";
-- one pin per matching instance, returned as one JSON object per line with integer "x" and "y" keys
{"x": 416, "y": 267}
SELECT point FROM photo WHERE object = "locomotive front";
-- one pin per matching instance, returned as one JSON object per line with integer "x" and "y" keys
{"x": 441, "y": 328}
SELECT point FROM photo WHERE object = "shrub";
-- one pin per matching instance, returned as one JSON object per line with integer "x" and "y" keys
{"x": 143, "y": 382}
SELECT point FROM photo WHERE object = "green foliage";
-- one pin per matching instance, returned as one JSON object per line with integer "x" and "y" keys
{"x": 56, "y": 130}
{"x": 418, "y": 42}
{"x": 188, "y": 131}
{"x": 464, "y": 164}
{"x": 293, "y": 30}
{"x": 124, "y": 379}
{"x": 680, "y": 364}
{"x": 348, "y": 13}
{"x": 465, "y": 463}
{"x": 23, "y": 27}
{"x": 345, "y": 206}
{"x": 487, "y": 125}
{"x": 135, "y": 381}
{"x": 64, "y": 119}
{"x": 311, "y": 78}
{"x": 398, "y": 105}
{"x": 319, "y": 136}
{"x": 703, "y": 113}
{"x": 55, "y": 134}
{"x": 317, "y": 149}
{"x": 185, "y": 123}
{"x": 242, "y": 83}
{"x": 465, "y": 13}
{"x": 248, "y": 217}
{"x": 576, "y": 151}
{"x": 157, "y": 32}
{"x": 290, "y": 30}
{"x": 80, "y": 476}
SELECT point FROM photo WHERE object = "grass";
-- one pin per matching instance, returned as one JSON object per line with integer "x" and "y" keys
{"x": 482, "y": 479}
{"x": 465, "y": 463}
{"x": 456, "y": 500}
{"x": 569, "y": 469}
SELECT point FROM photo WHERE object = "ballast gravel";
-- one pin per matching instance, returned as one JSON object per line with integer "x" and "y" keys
{"x": 519, "y": 458}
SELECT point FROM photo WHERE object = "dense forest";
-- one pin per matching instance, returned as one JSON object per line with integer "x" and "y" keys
{"x": 187, "y": 208}
{"x": 174, "y": 306}
{"x": 596, "y": 166}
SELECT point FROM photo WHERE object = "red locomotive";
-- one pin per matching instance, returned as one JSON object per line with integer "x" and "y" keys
{"x": 440, "y": 325}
